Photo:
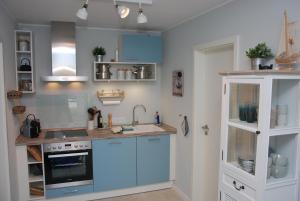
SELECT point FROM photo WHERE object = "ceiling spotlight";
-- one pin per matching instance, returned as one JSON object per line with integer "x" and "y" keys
{"x": 123, "y": 11}
{"x": 141, "y": 18}
{"x": 82, "y": 13}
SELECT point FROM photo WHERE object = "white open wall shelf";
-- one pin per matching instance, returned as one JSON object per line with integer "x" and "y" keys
{"x": 151, "y": 67}
{"x": 24, "y": 78}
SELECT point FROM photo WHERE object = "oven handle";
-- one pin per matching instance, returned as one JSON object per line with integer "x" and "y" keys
{"x": 66, "y": 155}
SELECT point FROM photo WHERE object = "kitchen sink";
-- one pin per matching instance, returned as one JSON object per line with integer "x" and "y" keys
{"x": 146, "y": 128}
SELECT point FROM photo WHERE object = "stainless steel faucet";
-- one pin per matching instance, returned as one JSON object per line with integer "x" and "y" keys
{"x": 134, "y": 122}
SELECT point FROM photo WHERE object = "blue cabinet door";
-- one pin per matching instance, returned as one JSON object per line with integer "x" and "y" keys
{"x": 114, "y": 163}
{"x": 68, "y": 191}
{"x": 153, "y": 159}
{"x": 141, "y": 48}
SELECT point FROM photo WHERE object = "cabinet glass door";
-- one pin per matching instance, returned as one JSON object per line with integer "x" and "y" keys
{"x": 242, "y": 128}
{"x": 244, "y": 104}
{"x": 241, "y": 149}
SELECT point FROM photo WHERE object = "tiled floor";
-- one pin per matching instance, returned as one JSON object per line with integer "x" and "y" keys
{"x": 163, "y": 195}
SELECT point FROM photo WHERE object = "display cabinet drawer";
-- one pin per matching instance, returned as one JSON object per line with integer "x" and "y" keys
{"x": 69, "y": 191}
{"x": 239, "y": 187}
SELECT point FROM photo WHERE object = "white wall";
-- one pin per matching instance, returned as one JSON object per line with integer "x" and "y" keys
{"x": 7, "y": 37}
{"x": 255, "y": 21}
{"x": 147, "y": 93}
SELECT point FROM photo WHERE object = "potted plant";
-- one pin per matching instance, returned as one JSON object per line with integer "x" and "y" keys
{"x": 259, "y": 55}
{"x": 99, "y": 53}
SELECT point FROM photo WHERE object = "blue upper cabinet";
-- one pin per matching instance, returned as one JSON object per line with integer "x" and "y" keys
{"x": 114, "y": 163}
{"x": 141, "y": 48}
{"x": 153, "y": 159}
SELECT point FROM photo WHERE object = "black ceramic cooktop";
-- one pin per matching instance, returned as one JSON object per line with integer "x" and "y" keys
{"x": 65, "y": 133}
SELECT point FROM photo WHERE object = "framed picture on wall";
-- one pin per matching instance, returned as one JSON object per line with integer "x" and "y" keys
{"x": 177, "y": 83}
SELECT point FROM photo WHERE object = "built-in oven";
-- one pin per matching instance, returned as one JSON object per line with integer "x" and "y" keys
{"x": 68, "y": 164}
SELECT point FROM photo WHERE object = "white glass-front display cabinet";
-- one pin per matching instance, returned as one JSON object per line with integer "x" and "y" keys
{"x": 260, "y": 136}
{"x": 242, "y": 125}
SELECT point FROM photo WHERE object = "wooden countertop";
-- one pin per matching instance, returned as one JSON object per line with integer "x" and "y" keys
{"x": 92, "y": 135}
{"x": 262, "y": 72}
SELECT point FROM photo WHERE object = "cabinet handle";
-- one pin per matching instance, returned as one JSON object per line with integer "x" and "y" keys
{"x": 238, "y": 188}
{"x": 257, "y": 132}
{"x": 71, "y": 192}
{"x": 154, "y": 139}
{"x": 112, "y": 143}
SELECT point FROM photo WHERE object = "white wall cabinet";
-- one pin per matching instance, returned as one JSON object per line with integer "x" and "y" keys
{"x": 260, "y": 137}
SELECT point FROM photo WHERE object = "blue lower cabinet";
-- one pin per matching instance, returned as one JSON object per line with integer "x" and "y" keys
{"x": 68, "y": 191}
{"x": 114, "y": 164}
{"x": 153, "y": 159}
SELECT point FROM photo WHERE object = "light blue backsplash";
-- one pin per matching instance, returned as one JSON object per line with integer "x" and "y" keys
{"x": 62, "y": 110}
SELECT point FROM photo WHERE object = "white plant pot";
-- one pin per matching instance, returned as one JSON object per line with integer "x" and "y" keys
{"x": 99, "y": 58}
{"x": 255, "y": 62}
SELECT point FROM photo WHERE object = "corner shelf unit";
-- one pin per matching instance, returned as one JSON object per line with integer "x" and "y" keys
{"x": 115, "y": 66}
{"x": 260, "y": 137}
{"x": 31, "y": 172}
{"x": 36, "y": 173}
{"x": 24, "y": 55}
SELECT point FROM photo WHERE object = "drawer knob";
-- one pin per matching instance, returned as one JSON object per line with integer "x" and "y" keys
{"x": 238, "y": 188}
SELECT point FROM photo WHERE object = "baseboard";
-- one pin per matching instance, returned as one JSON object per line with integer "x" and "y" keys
{"x": 116, "y": 193}
{"x": 181, "y": 194}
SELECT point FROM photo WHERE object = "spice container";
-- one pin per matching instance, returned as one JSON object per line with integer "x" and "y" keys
{"x": 121, "y": 74}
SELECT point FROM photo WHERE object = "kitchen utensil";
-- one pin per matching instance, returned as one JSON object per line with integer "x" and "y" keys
{"x": 25, "y": 65}
{"x": 121, "y": 74}
{"x": 269, "y": 161}
{"x": 103, "y": 71}
{"x": 279, "y": 160}
{"x": 128, "y": 74}
{"x": 242, "y": 112}
{"x": 282, "y": 115}
{"x": 92, "y": 112}
{"x": 24, "y": 45}
{"x": 90, "y": 125}
{"x": 109, "y": 120}
{"x": 251, "y": 116}
{"x": 279, "y": 171}
{"x": 141, "y": 72}
{"x": 247, "y": 165}
{"x": 25, "y": 85}
{"x": 31, "y": 127}
{"x": 269, "y": 172}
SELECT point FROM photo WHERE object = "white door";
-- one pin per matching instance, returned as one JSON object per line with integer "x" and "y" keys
{"x": 4, "y": 171}
{"x": 208, "y": 99}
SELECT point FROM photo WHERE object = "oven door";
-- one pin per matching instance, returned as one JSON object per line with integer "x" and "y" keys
{"x": 68, "y": 168}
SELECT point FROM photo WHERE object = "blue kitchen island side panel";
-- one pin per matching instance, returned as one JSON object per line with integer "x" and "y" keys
{"x": 114, "y": 163}
{"x": 153, "y": 159}
{"x": 142, "y": 48}
{"x": 68, "y": 191}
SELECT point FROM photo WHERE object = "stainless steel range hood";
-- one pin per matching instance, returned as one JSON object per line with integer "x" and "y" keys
{"x": 63, "y": 54}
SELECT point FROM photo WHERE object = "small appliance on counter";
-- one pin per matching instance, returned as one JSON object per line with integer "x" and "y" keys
{"x": 31, "y": 127}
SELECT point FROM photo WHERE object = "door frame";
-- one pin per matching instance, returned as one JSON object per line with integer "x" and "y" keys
{"x": 198, "y": 104}
{"x": 4, "y": 169}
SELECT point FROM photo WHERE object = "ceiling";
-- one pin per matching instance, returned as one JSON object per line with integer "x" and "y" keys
{"x": 162, "y": 14}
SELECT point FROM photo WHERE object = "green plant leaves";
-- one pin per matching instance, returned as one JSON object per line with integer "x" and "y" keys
{"x": 261, "y": 50}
